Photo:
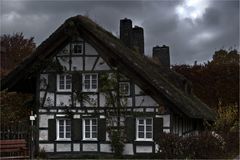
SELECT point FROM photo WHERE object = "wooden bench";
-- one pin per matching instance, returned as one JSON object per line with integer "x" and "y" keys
{"x": 13, "y": 149}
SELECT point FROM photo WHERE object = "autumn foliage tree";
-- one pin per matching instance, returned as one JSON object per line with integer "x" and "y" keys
{"x": 15, "y": 48}
{"x": 215, "y": 82}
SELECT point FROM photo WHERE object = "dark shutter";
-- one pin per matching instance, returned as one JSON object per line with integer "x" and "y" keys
{"x": 77, "y": 82}
{"x": 130, "y": 128}
{"x": 52, "y": 129}
{"x": 52, "y": 82}
{"x": 102, "y": 130}
{"x": 77, "y": 129}
{"x": 157, "y": 128}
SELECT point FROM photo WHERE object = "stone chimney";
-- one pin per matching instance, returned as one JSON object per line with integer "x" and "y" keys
{"x": 162, "y": 55}
{"x": 126, "y": 32}
{"x": 132, "y": 37}
{"x": 138, "y": 39}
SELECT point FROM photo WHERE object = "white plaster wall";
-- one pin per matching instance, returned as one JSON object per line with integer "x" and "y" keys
{"x": 49, "y": 101}
{"x": 43, "y": 135}
{"x": 149, "y": 109}
{"x": 144, "y": 149}
{"x": 90, "y": 147}
{"x": 145, "y": 101}
{"x": 76, "y": 116}
{"x": 63, "y": 147}
{"x": 126, "y": 101}
{"x": 48, "y": 147}
{"x": 76, "y": 147}
{"x": 101, "y": 65}
{"x": 166, "y": 120}
{"x": 77, "y": 64}
{"x": 64, "y": 61}
{"x": 89, "y": 62}
{"x": 105, "y": 148}
{"x": 102, "y": 100}
{"x": 138, "y": 90}
{"x": 128, "y": 149}
{"x": 43, "y": 120}
{"x": 92, "y": 102}
{"x": 65, "y": 99}
{"x": 43, "y": 81}
{"x": 89, "y": 50}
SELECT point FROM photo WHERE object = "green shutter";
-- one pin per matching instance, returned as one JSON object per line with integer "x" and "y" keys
{"x": 102, "y": 130}
{"x": 77, "y": 82}
{"x": 157, "y": 128}
{"x": 52, "y": 82}
{"x": 130, "y": 128}
{"x": 77, "y": 129}
{"x": 52, "y": 129}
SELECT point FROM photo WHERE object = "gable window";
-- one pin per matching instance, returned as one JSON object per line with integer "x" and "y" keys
{"x": 64, "y": 82}
{"x": 63, "y": 129}
{"x": 90, "y": 129}
{"x": 90, "y": 82}
{"x": 124, "y": 88}
{"x": 77, "y": 48}
{"x": 144, "y": 129}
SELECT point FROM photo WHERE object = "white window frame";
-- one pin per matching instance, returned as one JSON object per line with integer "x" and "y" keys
{"x": 90, "y": 87}
{"x": 124, "y": 83}
{"x": 91, "y": 126}
{"x": 145, "y": 133}
{"x": 65, "y": 83}
{"x": 64, "y": 132}
{"x": 77, "y": 43}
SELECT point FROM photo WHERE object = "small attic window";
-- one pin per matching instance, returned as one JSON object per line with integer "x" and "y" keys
{"x": 77, "y": 48}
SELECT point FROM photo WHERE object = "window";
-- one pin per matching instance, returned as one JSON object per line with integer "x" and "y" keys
{"x": 89, "y": 129}
{"x": 124, "y": 88}
{"x": 144, "y": 129}
{"x": 64, "y": 82}
{"x": 77, "y": 48}
{"x": 63, "y": 129}
{"x": 90, "y": 82}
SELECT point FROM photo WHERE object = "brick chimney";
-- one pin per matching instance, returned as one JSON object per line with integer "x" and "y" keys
{"x": 162, "y": 55}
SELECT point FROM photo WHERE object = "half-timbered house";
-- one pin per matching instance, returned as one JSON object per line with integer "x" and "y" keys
{"x": 87, "y": 82}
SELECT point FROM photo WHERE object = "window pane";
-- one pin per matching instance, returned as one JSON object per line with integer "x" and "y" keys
{"x": 149, "y": 135}
{"x": 87, "y": 134}
{"x": 61, "y": 135}
{"x": 94, "y": 128}
{"x": 94, "y": 135}
{"x": 141, "y": 121}
{"x": 148, "y": 121}
{"x": 87, "y": 76}
{"x": 140, "y": 134}
{"x": 68, "y": 134}
{"x": 77, "y": 48}
{"x": 61, "y": 122}
{"x": 94, "y": 121}
{"x": 94, "y": 77}
{"x": 87, "y": 122}
{"x": 87, "y": 128}
{"x": 148, "y": 128}
{"x": 68, "y": 122}
{"x": 141, "y": 128}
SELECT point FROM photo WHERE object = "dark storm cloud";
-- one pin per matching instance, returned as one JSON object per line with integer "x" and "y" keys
{"x": 189, "y": 39}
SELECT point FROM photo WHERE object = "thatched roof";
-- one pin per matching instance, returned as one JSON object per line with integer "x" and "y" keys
{"x": 161, "y": 83}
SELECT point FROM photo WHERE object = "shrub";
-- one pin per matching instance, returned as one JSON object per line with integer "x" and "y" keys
{"x": 204, "y": 145}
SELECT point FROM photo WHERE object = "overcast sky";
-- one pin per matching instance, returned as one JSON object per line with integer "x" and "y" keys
{"x": 193, "y": 29}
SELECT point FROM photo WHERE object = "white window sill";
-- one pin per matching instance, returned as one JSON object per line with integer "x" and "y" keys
{"x": 90, "y": 139}
{"x": 89, "y": 90}
{"x": 150, "y": 140}
{"x": 68, "y": 90}
{"x": 63, "y": 139}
